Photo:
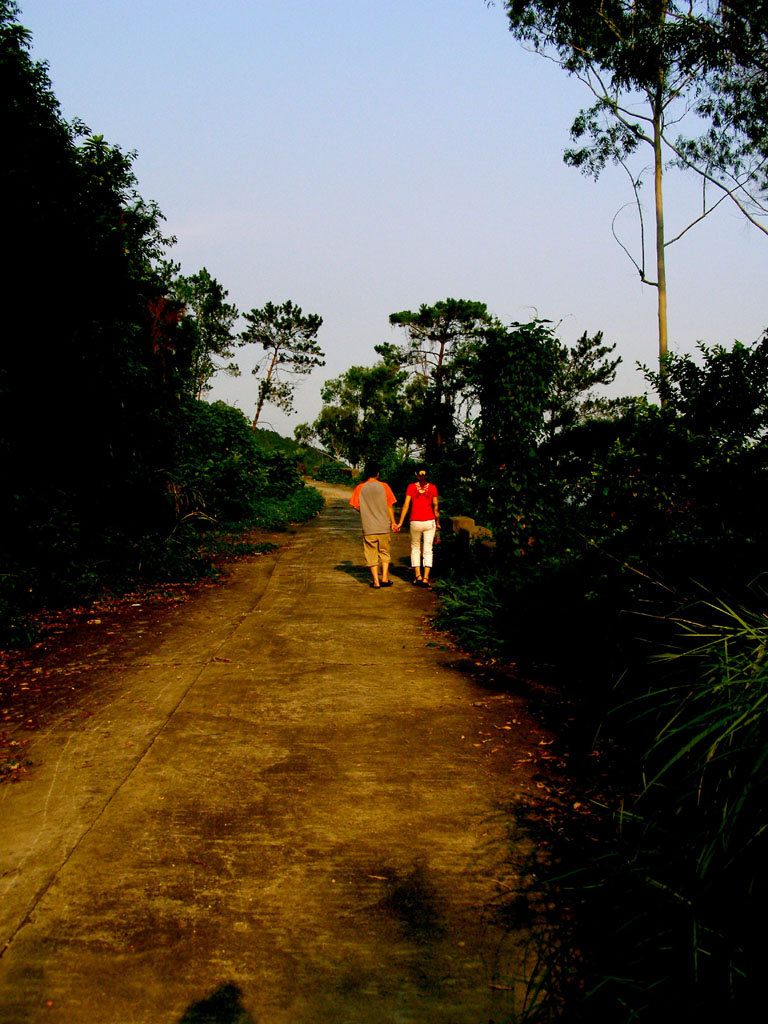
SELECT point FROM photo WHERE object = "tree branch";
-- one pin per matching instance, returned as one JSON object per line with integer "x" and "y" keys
{"x": 730, "y": 193}
{"x": 701, "y": 216}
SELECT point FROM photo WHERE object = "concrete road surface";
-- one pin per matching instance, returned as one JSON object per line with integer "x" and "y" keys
{"x": 287, "y": 808}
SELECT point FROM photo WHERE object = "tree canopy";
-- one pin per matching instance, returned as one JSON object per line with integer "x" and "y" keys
{"x": 208, "y": 322}
{"x": 647, "y": 63}
{"x": 106, "y": 455}
{"x": 289, "y": 340}
{"x": 437, "y": 336}
{"x": 86, "y": 309}
{"x": 365, "y": 412}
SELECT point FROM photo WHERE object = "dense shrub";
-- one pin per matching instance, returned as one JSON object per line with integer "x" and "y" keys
{"x": 623, "y": 519}
{"x": 218, "y": 464}
{"x": 325, "y": 469}
{"x": 83, "y": 463}
{"x": 220, "y": 479}
{"x": 222, "y": 470}
{"x": 272, "y": 513}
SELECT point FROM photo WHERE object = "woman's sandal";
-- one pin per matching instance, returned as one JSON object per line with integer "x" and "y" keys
{"x": 416, "y": 581}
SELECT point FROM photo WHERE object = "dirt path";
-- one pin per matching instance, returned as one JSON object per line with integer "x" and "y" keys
{"x": 286, "y": 806}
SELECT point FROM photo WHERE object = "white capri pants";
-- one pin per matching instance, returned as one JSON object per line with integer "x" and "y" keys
{"x": 422, "y": 533}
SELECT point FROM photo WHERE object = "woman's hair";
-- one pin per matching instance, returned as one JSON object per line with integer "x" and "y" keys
{"x": 420, "y": 471}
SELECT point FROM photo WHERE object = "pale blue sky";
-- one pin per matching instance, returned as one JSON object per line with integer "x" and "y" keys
{"x": 364, "y": 156}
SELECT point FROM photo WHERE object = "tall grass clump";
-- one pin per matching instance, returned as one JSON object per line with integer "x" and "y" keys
{"x": 706, "y": 773}
{"x": 666, "y": 911}
{"x": 470, "y": 608}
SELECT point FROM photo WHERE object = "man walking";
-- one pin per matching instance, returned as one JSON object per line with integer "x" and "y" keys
{"x": 374, "y": 500}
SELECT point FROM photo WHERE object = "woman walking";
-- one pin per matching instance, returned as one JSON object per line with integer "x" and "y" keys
{"x": 421, "y": 499}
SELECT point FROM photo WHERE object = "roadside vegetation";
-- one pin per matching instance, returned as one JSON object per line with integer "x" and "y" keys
{"x": 117, "y": 472}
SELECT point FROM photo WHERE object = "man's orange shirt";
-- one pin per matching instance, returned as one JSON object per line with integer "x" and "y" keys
{"x": 373, "y": 515}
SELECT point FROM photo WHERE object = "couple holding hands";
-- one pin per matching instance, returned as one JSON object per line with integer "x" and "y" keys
{"x": 374, "y": 500}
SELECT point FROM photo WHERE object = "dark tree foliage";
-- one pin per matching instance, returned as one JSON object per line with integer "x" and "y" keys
{"x": 723, "y": 395}
{"x": 207, "y": 338}
{"x": 670, "y": 502}
{"x": 221, "y": 470}
{"x": 513, "y": 376}
{"x": 88, "y": 371}
{"x": 736, "y": 107}
{"x": 578, "y": 371}
{"x": 437, "y": 336}
{"x": 105, "y": 458}
{"x": 365, "y": 412}
{"x": 677, "y": 491}
{"x": 616, "y": 521}
{"x": 641, "y": 591}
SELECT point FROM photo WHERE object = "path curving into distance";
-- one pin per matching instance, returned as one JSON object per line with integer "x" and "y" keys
{"x": 286, "y": 808}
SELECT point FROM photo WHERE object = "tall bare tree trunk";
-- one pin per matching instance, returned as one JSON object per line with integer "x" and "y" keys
{"x": 661, "y": 275}
{"x": 658, "y": 172}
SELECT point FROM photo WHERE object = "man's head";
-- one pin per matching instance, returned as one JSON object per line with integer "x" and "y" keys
{"x": 371, "y": 469}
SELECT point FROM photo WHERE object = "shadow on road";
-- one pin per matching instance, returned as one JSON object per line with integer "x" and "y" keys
{"x": 362, "y": 574}
{"x": 223, "y": 1007}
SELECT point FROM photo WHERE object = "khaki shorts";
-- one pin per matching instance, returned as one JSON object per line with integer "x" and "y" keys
{"x": 376, "y": 548}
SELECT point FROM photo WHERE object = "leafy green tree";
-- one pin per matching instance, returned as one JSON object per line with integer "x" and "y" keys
{"x": 365, "y": 414}
{"x": 86, "y": 296}
{"x": 735, "y": 108}
{"x": 304, "y": 434}
{"x": 723, "y": 395}
{"x": 513, "y": 373}
{"x": 436, "y": 337}
{"x": 208, "y": 320}
{"x": 580, "y": 369}
{"x": 678, "y": 491}
{"x": 336, "y": 430}
{"x": 646, "y": 63}
{"x": 665, "y": 532}
{"x": 219, "y": 468}
{"x": 289, "y": 340}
